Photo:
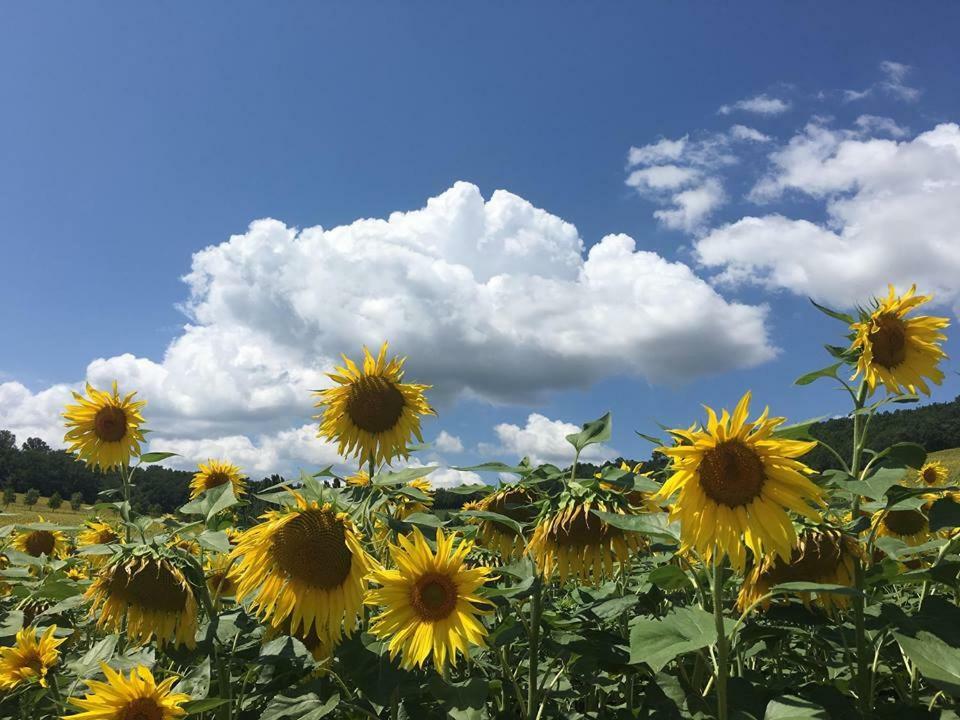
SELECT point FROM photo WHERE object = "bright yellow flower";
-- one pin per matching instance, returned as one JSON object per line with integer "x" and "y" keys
{"x": 361, "y": 478}
{"x": 214, "y": 474}
{"x": 371, "y": 412}
{"x": 104, "y": 428}
{"x": 29, "y": 659}
{"x": 933, "y": 474}
{"x": 97, "y": 532}
{"x": 138, "y": 697}
{"x": 736, "y": 482}
{"x": 78, "y": 572}
{"x": 898, "y": 351}
{"x": 222, "y": 576}
{"x": 52, "y": 543}
{"x": 429, "y": 603}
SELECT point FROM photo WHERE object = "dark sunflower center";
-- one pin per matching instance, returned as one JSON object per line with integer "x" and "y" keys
{"x": 142, "y": 709}
{"x": 581, "y": 530}
{"x": 888, "y": 341}
{"x": 816, "y": 557}
{"x": 930, "y": 476}
{"x": 732, "y": 474}
{"x": 105, "y": 537}
{"x": 216, "y": 479}
{"x": 35, "y": 664}
{"x": 433, "y": 596}
{"x": 905, "y": 522}
{"x": 110, "y": 424}
{"x": 374, "y": 404}
{"x": 40, "y": 542}
{"x": 312, "y": 548}
{"x": 152, "y": 586}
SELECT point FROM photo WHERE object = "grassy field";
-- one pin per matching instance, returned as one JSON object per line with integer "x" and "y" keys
{"x": 20, "y": 512}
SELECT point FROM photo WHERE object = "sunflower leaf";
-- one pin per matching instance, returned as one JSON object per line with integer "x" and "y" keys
{"x": 152, "y": 457}
{"x": 650, "y": 524}
{"x": 842, "y": 317}
{"x": 829, "y": 371}
{"x": 595, "y": 431}
{"x": 938, "y": 662}
{"x": 493, "y": 517}
{"x": 658, "y": 641}
{"x": 944, "y": 513}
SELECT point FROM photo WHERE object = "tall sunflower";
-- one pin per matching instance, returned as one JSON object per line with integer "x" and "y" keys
{"x": 514, "y": 502}
{"x": 304, "y": 564}
{"x": 152, "y": 593}
{"x": 104, "y": 428}
{"x": 819, "y": 556}
{"x": 139, "y": 697}
{"x": 572, "y": 542}
{"x": 736, "y": 482}
{"x": 429, "y": 606}
{"x": 214, "y": 474}
{"x": 897, "y": 351}
{"x": 29, "y": 659}
{"x": 37, "y": 542}
{"x": 371, "y": 412}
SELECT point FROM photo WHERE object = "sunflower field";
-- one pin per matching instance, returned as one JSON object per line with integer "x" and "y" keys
{"x": 732, "y": 582}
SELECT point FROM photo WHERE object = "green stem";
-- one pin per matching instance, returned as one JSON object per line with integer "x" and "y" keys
{"x": 863, "y": 668}
{"x": 723, "y": 648}
{"x": 536, "y": 608}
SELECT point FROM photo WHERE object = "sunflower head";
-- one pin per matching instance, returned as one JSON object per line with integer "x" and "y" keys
{"x": 221, "y": 574}
{"x": 819, "y": 556}
{"x": 304, "y": 564}
{"x": 899, "y": 350}
{"x": 45, "y": 541}
{"x": 514, "y": 502}
{"x": 139, "y": 697}
{"x": 429, "y": 606}
{"x": 97, "y": 532}
{"x": 30, "y": 658}
{"x": 78, "y": 572}
{"x": 361, "y": 478}
{"x": 215, "y": 473}
{"x": 735, "y": 483}
{"x": 103, "y": 428}
{"x": 933, "y": 474}
{"x": 151, "y": 593}
{"x": 370, "y": 412}
{"x": 910, "y": 526}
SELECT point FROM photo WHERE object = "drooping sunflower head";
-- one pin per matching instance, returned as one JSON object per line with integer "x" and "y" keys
{"x": 429, "y": 604}
{"x": 97, "y": 532}
{"x": 636, "y": 498}
{"x": 911, "y": 525}
{"x": 139, "y": 697}
{"x": 41, "y": 541}
{"x": 30, "y": 658}
{"x": 221, "y": 574}
{"x": 736, "y": 481}
{"x": 514, "y": 502}
{"x": 371, "y": 412}
{"x": 898, "y": 351}
{"x": 305, "y": 564}
{"x": 151, "y": 593}
{"x": 103, "y": 428}
{"x": 819, "y": 556}
{"x": 573, "y": 542}
{"x": 933, "y": 474}
{"x": 215, "y": 473}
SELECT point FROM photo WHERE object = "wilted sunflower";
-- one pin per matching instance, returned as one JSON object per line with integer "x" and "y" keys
{"x": 911, "y": 526}
{"x": 138, "y": 697}
{"x": 154, "y": 596}
{"x": 221, "y": 574}
{"x": 898, "y": 351}
{"x": 514, "y": 502}
{"x": 305, "y": 564}
{"x": 371, "y": 412}
{"x": 933, "y": 474}
{"x": 49, "y": 542}
{"x": 104, "y": 428}
{"x": 573, "y": 542}
{"x": 214, "y": 474}
{"x": 819, "y": 556}
{"x": 29, "y": 659}
{"x": 736, "y": 482}
{"x": 429, "y": 603}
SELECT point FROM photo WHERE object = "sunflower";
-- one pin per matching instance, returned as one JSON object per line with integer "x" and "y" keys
{"x": 736, "y": 480}
{"x": 429, "y": 603}
{"x": 52, "y": 543}
{"x": 78, "y": 572}
{"x": 819, "y": 556}
{"x": 933, "y": 474}
{"x": 910, "y": 526}
{"x": 636, "y": 498}
{"x": 186, "y": 544}
{"x": 221, "y": 574}
{"x": 897, "y": 351}
{"x": 151, "y": 593}
{"x": 371, "y": 412}
{"x": 214, "y": 474}
{"x": 572, "y": 542}
{"x": 407, "y": 506}
{"x": 104, "y": 429}
{"x": 138, "y": 697}
{"x": 361, "y": 478}
{"x": 29, "y": 659}
{"x": 305, "y": 564}
{"x": 514, "y": 502}
{"x": 97, "y": 532}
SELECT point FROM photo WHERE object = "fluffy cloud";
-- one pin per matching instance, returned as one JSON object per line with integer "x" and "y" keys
{"x": 892, "y": 215}
{"x": 492, "y": 299}
{"x": 893, "y": 85}
{"x": 544, "y": 441}
{"x": 759, "y": 104}
{"x": 446, "y": 442}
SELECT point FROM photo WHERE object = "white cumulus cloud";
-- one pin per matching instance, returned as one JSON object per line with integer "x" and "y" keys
{"x": 544, "y": 441}
{"x": 759, "y": 104}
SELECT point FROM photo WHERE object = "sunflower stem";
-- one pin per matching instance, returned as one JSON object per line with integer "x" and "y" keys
{"x": 536, "y": 608}
{"x": 723, "y": 647}
{"x": 864, "y": 690}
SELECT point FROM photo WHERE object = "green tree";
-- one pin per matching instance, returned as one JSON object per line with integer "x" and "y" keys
{"x": 76, "y": 501}
{"x": 9, "y": 495}
{"x": 55, "y": 501}
{"x": 31, "y": 498}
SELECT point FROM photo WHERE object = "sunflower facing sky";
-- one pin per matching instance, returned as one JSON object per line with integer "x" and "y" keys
{"x": 49, "y": 542}
{"x": 152, "y": 594}
{"x": 735, "y": 483}
{"x": 304, "y": 564}
{"x": 429, "y": 606}
{"x": 103, "y": 428}
{"x": 897, "y": 351}
{"x": 139, "y": 697}
{"x": 371, "y": 412}
{"x": 214, "y": 474}
{"x": 30, "y": 658}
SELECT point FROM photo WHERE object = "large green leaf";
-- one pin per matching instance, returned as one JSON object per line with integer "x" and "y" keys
{"x": 798, "y": 431}
{"x": 938, "y": 662}
{"x": 829, "y": 371}
{"x": 493, "y": 517}
{"x": 303, "y": 706}
{"x": 905, "y": 454}
{"x": 211, "y": 502}
{"x": 152, "y": 457}
{"x": 497, "y": 467}
{"x": 653, "y": 525}
{"x": 595, "y": 431}
{"x": 790, "y": 707}
{"x": 876, "y": 486}
{"x": 944, "y": 513}
{"x": 657, "y": 642}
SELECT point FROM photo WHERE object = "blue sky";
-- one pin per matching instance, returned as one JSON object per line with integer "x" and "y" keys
{"x": 135, "y": 135}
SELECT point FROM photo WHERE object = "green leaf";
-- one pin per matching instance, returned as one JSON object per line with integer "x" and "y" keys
{"x": 402, "y": 477}
{"x": 211, "y": 502}
{"x": 875, "y": 486}
{"x": 790, "y": 707}
{"x": 196, "y": 683}
{"x": 657, "y": 642}
{"x": 938, "y": 662}
{"x": 496, "y": 467}
{"x": 653, "y": 525}
{"x": 799, "y": 431}
{"x": 152, "y": 457}
{"x": 493, "y": 517}
{"x": 799, "y": 587}
{"x": 669, "y": 577}
{"x": 944, "y": 513}
{"x": 469, "y": 489}
{"x": 650, "y": 438}
{"x": 101, "y": 651}
{"x": 905, "y": 454}
{"x": 425, "y": 519}
{"x": 303, "y": 706}
{"x": 216, "y": 540}
{"x": 596, "y": 431}
{"x": 195, "y": 707}
{"x": 842, "y": 317}
{"x": 829, "y": 371}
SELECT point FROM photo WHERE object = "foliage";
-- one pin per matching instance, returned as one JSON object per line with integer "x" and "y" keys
{"x": 31, "y": 497}
{"x": 76, "y": 501}
{"x": 55, "y": 501}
